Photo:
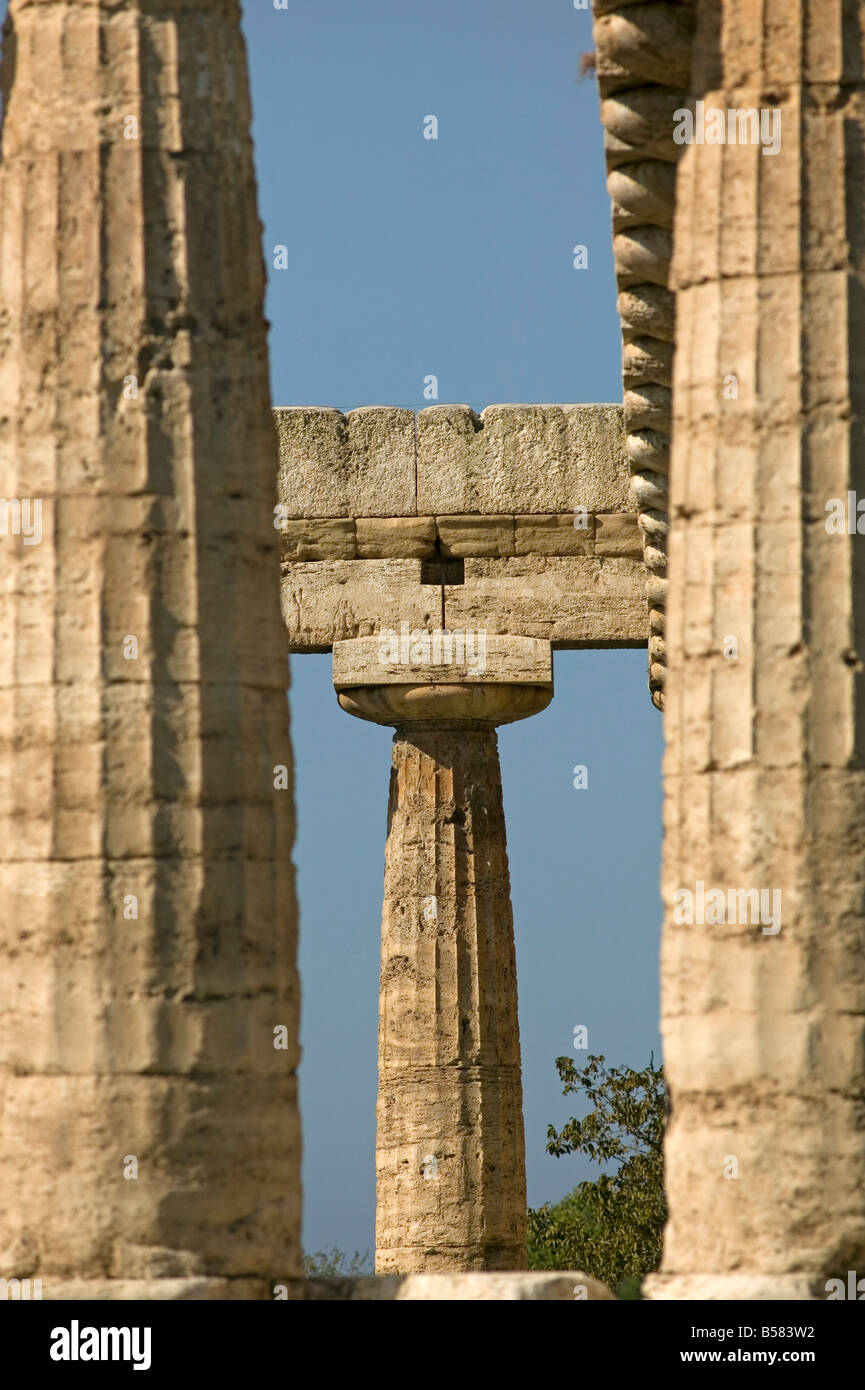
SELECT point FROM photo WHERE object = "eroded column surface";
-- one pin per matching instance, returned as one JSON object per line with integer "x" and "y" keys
{"x": 149, "y": 1138}
{"x": 450, "y": 1159}
{"x": 764, "y": 1000}
{"x": 450, "y": 1151}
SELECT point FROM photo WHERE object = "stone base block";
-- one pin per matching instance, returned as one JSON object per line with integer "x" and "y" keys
{"x": 197, "y": 1290}
{"x": 428, "y": 1288}
{"x": 731, "y": 1288}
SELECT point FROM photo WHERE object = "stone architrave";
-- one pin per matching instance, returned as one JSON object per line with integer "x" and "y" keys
{"x": 149, "y": 1145}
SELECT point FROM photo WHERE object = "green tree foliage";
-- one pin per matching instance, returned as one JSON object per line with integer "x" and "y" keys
{"x": 612, "y": 1227}
{"x": 335, "y": 1264}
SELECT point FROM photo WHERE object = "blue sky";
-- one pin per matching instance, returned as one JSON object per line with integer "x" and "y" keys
{"x": 410, "y": 257}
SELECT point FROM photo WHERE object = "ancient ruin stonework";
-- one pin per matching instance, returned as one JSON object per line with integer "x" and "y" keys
{"x": 531, "y": 500}
{"x": 149, "y": 1145}
{"x": 510, "y": 527}
{"x": 450, "y": 1150}
{"x": 643, "y": 63}
{"x": 150, "y": 1142}
{"x": 764, "y": 1031}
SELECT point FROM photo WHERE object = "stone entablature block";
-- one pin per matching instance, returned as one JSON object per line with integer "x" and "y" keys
{"x": 383, "y": 461}
{"x": 461, "y": 536}
{"x": 516, "y": 521}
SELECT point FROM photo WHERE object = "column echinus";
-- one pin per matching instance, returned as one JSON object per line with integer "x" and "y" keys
{"x": 642, "y": 62}
{"x": 764, "y": 989}
{"x": 450, "y": 1149}
{"x": 149, "y": 1139}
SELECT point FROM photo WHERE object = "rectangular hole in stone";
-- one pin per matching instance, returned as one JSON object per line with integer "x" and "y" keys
{"x": 438, "y": 570}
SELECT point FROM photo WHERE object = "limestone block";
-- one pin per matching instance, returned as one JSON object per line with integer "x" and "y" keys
{"x": 361, "y": 463}
{"x": 192, "y": 1290}
{"x": 318, "y": 539}
{"x": 572, "y": 601}
{"x": 750, "y": 1287}
{"x": 617, "y": 533}
{"x": 554, "y": 535}
{"x": 507, "y": 659}
{"x": 396, "y": 538}
{"x": 521, "y": 459}
{"x": 324, "y": 602}
{"x": 475, "y": 535}
{"x": 474, "y": 1288}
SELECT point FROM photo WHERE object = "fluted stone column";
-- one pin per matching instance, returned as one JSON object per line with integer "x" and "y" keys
{"x": 764, "y": 1021}
{"x": 450, "y": 1160}
{"x": 149, "y": 1138}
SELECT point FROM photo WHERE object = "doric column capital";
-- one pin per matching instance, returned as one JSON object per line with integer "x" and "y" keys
{"x": 443, "y": 678}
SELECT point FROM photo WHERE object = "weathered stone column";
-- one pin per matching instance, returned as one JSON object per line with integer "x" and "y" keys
{"x": 450, "y": 1151}
{"x": 149, "y": 1137}
{"x": 764, "y": 1010}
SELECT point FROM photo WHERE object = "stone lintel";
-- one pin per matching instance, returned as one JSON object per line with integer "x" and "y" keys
{"x": 617, "y": 533}
{"x": 462, "y": 658}
{"x": 533, "y": 500}
{"x": 324, "y": 602}
{"x": 464, "y": 535}
{"x": 571, "y": 601}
